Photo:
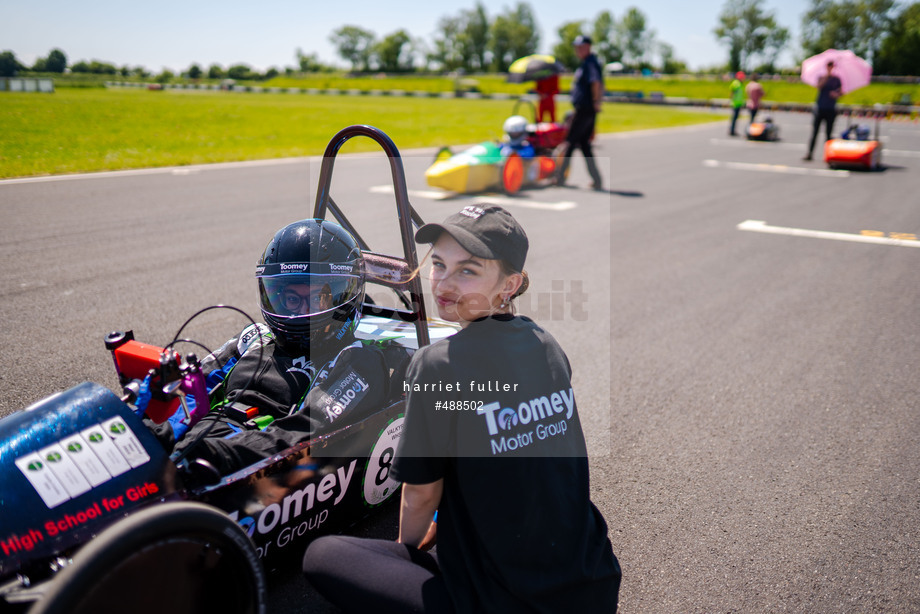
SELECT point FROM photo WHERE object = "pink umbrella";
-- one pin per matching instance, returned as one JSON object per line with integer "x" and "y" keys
{"x": 853, "y": 71}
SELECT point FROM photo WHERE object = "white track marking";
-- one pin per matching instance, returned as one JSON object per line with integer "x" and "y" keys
{"x": 191, "y": 169}
{"x": 751, "y": 144}
{"x": 761, "y": 226}
{"x": 493, "y": 199}
{"x": 904, "y": 153}
{"x": 776, "y": 168}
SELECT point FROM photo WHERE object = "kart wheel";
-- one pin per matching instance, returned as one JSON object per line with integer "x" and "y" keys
{"x": 513, "y": 174}
{"x": 176, "y": 558}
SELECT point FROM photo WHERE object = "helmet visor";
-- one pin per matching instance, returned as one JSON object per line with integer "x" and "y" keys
{"x": 291, "y": 295}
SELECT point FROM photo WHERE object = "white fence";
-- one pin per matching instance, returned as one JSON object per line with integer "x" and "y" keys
{"x": 26, "y": 84}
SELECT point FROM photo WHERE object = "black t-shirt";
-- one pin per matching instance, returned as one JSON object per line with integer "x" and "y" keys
{"x": 517, "y": 531}
{"x": 825, "y": 101}
{"x": 587, "y": 73}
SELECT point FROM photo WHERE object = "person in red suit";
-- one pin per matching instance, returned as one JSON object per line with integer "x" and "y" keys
{"x": 547, "y": 90}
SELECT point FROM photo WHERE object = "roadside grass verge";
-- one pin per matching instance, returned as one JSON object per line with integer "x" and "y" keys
{"x": 777, "y": 91}
{"x": 83, "y": 130}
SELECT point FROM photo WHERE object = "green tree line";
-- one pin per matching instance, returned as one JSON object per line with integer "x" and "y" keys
{"x": 885, "y": 32}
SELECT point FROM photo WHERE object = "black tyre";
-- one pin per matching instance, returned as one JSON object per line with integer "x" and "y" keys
{"x": 176, "y": 558}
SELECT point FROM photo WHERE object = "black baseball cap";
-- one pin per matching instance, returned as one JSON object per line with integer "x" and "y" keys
{"x": 581, "y": 39}
{"x": 484, "y": 231}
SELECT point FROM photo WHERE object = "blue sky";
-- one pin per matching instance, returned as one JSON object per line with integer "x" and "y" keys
{"x": 173, "y": 34}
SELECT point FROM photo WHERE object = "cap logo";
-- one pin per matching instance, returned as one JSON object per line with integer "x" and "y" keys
{"x": 473, "y": 212}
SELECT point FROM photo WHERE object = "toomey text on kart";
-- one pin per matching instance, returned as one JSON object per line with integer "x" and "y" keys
{"x": 96, "y": 516}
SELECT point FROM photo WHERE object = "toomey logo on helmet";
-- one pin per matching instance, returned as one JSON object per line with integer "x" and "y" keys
{"x": 311, "y": 285}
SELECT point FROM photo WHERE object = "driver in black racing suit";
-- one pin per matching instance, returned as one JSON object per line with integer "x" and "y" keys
{"x": 302, "y": 371}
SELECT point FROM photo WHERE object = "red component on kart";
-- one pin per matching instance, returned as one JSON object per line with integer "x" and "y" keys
{"x": 547, "y": 167}
{"x": 548, "y": 135}
{"x": 134, "y": 360}
{"x": 513, "y": 174}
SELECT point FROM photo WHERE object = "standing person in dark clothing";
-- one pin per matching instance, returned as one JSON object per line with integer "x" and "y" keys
{"x": 493, "y": 444}
{"x": 587, "y": 97}
{"x": 829, "y": 90}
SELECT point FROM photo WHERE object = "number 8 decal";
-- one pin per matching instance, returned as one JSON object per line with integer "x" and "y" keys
{"x": 378, "y": 484}
{"x": 385, "y": 460}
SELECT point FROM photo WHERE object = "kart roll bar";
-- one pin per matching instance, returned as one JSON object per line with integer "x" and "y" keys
{"x": 405, "y": 212}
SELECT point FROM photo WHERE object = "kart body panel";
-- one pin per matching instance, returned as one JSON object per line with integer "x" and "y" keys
{"x": 78, "y": 461}
{"x": 472, "y": 170}
{"x": 859, "y": 155}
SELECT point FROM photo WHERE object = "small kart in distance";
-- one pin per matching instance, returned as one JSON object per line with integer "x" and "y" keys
{"x": 855, "y": 150}
{"x": 528, "y": 155}
{"x": 763, "y": 131}
{"x": 95, "y": 516}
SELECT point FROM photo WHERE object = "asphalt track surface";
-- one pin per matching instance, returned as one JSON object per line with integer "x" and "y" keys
{"x": 750, "y": 394}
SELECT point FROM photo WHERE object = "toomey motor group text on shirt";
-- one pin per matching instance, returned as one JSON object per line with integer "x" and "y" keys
{"x": 541, "y": 412}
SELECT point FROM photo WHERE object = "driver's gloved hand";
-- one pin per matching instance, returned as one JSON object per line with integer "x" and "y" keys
{"x": 143, "y": 397}
{"x": 178, "y": 421}
{"x": 216, "y": 376}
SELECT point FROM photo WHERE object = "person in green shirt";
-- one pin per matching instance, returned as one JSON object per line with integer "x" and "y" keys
{"x": 737, "y": 97}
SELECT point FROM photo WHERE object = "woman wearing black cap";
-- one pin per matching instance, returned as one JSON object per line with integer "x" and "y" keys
{"x": 492, "y": 442}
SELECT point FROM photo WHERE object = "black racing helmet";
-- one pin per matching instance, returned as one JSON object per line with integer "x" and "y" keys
{"x": 311, "y": 285}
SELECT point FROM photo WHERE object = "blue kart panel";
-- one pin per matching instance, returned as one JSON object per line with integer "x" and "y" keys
{"x": 73, "y": 463}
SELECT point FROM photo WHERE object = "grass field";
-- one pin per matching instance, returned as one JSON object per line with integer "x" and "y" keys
{"x": 700, "y": 88}
{"x": 81, "y": 130}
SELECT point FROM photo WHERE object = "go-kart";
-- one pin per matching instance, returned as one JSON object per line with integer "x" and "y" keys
{"x": 530, "y": 159}
{"x": 856, "y": 149}
{"x": 95, "y": 516}
{"x": 763, "y": 131}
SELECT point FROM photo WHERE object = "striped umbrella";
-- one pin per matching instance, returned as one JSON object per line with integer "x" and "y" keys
{"x": 533, "y": 68}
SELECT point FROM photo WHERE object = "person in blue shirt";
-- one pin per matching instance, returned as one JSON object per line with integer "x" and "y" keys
{"x": 587, "y": 97}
